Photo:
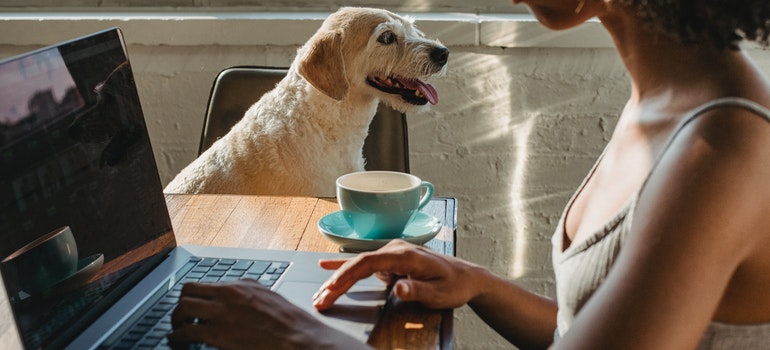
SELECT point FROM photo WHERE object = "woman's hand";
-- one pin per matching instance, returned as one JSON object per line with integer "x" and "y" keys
{"x": 419, "y": 274}
{"x": 439, "y": 282}
{"x": 246, "y": 315}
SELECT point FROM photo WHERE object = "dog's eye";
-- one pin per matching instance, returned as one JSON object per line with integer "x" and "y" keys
{"x": 387, "y": 38}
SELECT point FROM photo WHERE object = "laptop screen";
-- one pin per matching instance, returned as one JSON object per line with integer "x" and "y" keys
{"x": 82, "y": 213}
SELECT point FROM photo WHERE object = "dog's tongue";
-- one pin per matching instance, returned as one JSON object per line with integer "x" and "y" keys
{"x": 426, "y": 89}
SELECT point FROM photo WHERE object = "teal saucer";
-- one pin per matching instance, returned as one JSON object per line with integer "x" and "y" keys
{"x": 334, "y": 227}
{"x": 87, "y": 268}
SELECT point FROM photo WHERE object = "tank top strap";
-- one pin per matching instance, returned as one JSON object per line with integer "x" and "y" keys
{"x": 701, "y": 110}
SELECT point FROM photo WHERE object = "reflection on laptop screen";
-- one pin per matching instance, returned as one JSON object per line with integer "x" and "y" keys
{"x": 75, "y": 157}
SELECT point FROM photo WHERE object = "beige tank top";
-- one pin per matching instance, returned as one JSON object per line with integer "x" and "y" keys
{"x": 582, "y": 267}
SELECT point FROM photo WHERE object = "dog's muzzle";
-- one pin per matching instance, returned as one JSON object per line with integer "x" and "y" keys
{"x": 412, "y": 90}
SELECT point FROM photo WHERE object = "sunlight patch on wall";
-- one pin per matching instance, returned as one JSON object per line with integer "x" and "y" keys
{"x": 519, "y": 258}
{"x": 508, "y": 125}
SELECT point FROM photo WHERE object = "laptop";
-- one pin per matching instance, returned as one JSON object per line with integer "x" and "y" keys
{"x": 75, "y": 153}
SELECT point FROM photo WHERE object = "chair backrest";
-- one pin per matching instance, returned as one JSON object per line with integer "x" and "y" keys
{"x": 235, "y": 89}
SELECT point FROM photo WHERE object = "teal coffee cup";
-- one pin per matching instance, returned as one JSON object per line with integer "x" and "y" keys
{"x": 380, "y": 204}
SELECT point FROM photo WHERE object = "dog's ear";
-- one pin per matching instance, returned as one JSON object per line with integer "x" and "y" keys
{"x": 321, "y": 64}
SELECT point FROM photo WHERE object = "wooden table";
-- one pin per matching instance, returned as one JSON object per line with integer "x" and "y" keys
{"x": 275, "y": 222}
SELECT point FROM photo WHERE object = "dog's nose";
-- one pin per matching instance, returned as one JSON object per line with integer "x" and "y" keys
{"x": 440, "y": 55}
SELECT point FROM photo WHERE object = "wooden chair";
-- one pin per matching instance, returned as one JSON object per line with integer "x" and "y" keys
{"x": 235, "y": 89}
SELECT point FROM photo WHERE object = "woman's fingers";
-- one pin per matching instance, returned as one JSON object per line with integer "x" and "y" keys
{"x": 418, "y": 274}
{"x": 397, "y": 258}
{"x": 428, "y": 293}
{"x": 196, "y": 316}
{"x": 384, "y": 276}
{"x": 331, "y": 264}
{"x": 192, "y": 310}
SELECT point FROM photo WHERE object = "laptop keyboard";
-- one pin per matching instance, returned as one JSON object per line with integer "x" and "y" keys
{"x": 149, "y": 330}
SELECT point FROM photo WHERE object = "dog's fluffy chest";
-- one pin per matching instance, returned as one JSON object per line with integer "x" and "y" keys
{"x": 311, "y": 136}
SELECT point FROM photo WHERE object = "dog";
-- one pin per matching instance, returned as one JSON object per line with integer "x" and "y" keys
{"x": 310, "y": 129}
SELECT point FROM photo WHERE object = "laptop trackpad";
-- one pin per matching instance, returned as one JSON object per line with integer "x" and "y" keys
{"x": 355, "y": 312}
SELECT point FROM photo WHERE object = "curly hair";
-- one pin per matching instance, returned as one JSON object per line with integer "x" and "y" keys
{"x": 723, "y": 23}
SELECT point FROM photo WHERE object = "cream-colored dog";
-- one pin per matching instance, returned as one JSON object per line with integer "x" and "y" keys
{"x": 299, "y": 137}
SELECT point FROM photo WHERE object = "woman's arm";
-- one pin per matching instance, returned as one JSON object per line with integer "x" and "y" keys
{"x": 439, "y": 281}
{"x": 700, "y": 218}
{"x": 525, "y": 319}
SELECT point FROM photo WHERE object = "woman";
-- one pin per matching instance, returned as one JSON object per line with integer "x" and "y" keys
{"x": 665, "y": 243}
